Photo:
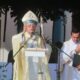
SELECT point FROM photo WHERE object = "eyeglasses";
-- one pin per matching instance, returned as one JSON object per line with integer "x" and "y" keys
{"x": 31, "y": 24}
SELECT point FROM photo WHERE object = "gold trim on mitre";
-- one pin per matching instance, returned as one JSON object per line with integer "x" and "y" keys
{"x": 29, "y": 17}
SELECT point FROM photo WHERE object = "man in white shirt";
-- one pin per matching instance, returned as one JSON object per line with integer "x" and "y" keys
{"x": 69, "y": 48}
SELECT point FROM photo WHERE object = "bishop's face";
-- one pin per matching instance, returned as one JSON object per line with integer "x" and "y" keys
{"x": 29, "y": 27}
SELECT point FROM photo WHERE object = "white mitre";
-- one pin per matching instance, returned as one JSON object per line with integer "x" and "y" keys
{"x": 30, "y": 17}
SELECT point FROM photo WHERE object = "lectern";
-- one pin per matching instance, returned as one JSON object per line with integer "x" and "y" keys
{"x": 37, "y": 63}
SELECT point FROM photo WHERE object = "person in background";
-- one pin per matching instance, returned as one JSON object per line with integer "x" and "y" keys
{"x": 28, "y": 39}
{"x": 69, "y": 48}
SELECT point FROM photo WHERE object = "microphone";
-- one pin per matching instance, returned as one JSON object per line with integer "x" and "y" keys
{"x": 23, "y": 39}
{"x": 32, "y": 37}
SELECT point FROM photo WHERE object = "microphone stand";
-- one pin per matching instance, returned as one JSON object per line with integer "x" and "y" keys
{"x": 58, "y": 66}
{"x": 42, "y": 35}
{"x": 15, "y": 53}
{"x": 60, "y": 50}
{"x": 63, "y": 52}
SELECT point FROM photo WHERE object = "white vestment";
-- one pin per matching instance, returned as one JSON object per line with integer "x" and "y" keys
{"x": 69, "y": 72}
{"x": 25, "y": 68}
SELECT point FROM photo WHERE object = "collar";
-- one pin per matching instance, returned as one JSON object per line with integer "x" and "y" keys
{"x": 71, "y": 41}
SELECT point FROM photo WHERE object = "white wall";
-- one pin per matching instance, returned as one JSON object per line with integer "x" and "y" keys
{"x": 10, "y": 30}
{"x": 47, "y": 29}
{"x": 68, "y": 24}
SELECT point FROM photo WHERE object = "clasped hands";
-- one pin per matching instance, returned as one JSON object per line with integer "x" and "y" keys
{"x": 77, "y": 50}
